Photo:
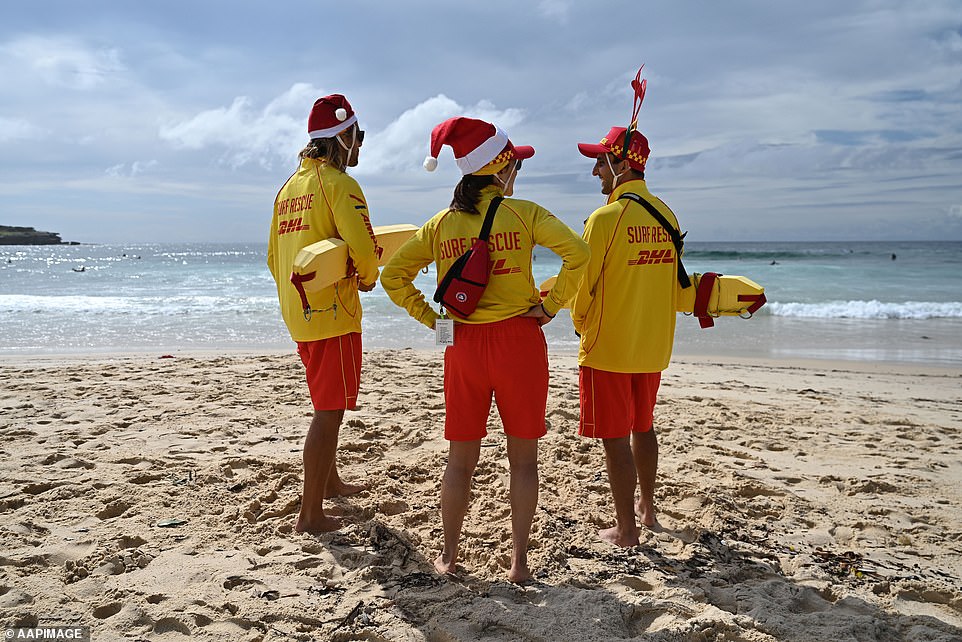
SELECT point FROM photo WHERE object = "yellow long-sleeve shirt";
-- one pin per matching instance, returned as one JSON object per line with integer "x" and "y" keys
{"x": 625, "y": 308}
{"x": 518, "y": 226}
{"x": 319, "y": 202}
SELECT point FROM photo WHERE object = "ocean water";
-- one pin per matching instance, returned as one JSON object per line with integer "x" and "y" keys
{"x": 896, "y": 302}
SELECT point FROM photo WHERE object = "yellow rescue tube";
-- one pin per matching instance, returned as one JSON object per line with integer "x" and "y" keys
{"x": 546, "y": 288}
{"x": 715, "y": 295}
{"x": 719, "y": 295}
{"x": 327, "y": 259}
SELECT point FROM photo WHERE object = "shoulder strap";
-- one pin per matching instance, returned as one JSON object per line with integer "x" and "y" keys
{"x": 676, "y": 238}
{"x": 489, "y": 218}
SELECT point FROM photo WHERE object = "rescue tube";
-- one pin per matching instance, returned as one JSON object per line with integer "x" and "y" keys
{"x": 711, "y": 295}
{"x": 545, "y": 288}
{"x": 720, "y": 295}
{"x": 327, "y": 260}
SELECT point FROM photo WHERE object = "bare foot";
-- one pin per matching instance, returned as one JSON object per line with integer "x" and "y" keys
{"x": 445, "y": 565}
{"x": 519, "y": 573}
{"x": 343, "y": 489}
{"x": 316, "y": 526}
{"x": 647, "y": 516}
{"x": 614, "y": 536}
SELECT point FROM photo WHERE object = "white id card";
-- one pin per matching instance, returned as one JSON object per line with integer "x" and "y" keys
{"x": 444, "y": 332}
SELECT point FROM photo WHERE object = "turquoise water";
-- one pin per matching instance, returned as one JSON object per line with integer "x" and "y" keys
{"x": 825, "y": 300}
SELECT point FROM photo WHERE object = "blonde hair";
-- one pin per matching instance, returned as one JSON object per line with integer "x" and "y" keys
{"x": 326, "y": 149}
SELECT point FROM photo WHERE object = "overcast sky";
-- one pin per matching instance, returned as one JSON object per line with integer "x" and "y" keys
{"x": 179, "y": 120}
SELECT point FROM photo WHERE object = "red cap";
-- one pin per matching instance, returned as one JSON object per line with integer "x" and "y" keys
{"x": 330, "y": 116}
{"x": 613, "y": 143}
{"x": 476, "y": 144}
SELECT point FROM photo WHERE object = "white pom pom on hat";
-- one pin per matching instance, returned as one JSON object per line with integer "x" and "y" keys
{"x": 430, "y": 163}
{"x": 341, "y": 114}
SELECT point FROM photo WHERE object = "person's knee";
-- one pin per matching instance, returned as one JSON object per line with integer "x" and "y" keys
{"x": 460, "y": 468}
{"x": 327, "y": 419}
{"x": 644, "y": 439}
{"x": 459, "y": 472}
{"x": 527, "y": 466}
{"x": 616, "y": 444}
{"x": 522, "y": 453}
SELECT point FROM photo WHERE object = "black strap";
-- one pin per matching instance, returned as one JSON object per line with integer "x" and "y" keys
{"x": 623, "y": 156}
{"x": 676, "y": 238}
{"x": 489, "y": 218}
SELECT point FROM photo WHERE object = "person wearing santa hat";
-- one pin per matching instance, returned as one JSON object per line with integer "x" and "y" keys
{"x": 624, "y": 313}
{"x": 499, "y": 348}
{"x": 320, "y": 201}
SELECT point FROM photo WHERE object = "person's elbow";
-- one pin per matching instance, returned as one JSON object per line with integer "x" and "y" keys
{"x": 370, "y": 276}
{"x": 580, "y": 255}
{"x": 367, "y": 267}
{"x": 391, "y": 278}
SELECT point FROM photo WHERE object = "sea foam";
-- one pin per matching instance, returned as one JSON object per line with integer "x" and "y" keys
{"x": 867, "y": 310}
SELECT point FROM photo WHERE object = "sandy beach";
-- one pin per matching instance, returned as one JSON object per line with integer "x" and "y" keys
{"x": 153, "y": 498}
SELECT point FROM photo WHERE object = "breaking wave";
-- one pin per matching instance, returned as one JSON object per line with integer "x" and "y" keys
{"x": 868, "y": 310}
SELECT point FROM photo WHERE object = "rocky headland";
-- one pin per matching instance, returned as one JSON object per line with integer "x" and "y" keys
{"x": 11, "y": 235}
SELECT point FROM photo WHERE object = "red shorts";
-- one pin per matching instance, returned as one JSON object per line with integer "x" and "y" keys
{"x": 615, "y": 404}
{"x": 333, "y": 370}
{"x": 507, "y": 358}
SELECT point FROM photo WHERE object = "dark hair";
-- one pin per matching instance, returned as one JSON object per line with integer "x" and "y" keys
{"x": 467, "y": 192}
{"x": 635, "y": 173}
{"x": 328, "y": 149}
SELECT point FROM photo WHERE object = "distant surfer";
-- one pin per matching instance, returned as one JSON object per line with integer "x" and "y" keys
{"x": 318, "y": 202}
{"x": 82, "y": 268}
{"x": 893, "y": 256}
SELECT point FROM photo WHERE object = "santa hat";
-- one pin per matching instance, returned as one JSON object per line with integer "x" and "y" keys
{"x": 330, "y": 116}
{"x": 479, "y": 147}
{"x": 627, "y": 143}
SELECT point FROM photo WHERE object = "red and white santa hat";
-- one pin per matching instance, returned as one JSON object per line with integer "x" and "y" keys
{"x": 479, "y": 147}
{"x": 330, "y": 116}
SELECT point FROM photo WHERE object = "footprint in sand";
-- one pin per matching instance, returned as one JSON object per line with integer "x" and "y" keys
{"x": 41, "y": 487}
{"x": 114, "y": 508}
{"x": 12, "y": 598}
{"x": 107, "y": 610}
